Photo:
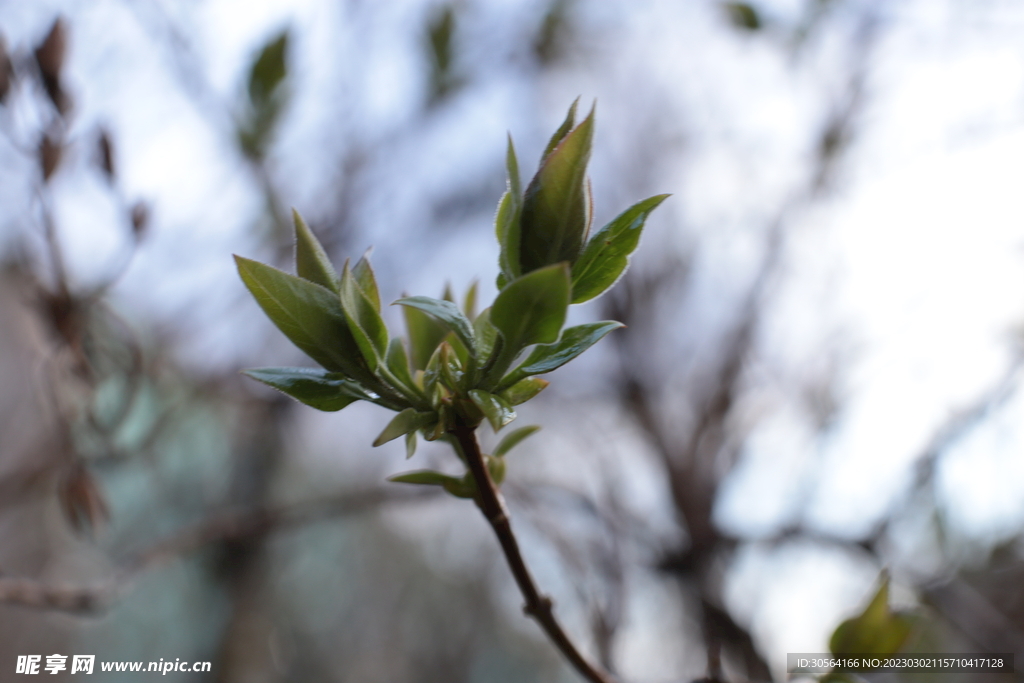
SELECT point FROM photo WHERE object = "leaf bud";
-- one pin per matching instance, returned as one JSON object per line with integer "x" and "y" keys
{"x": 556, "y": 209}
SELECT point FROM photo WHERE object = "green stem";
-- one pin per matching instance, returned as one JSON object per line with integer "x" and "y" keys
{"x": 411, "y": 394}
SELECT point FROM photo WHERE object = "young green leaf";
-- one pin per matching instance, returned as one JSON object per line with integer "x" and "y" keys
{"x": 469, "y": 303}
{"x": 446, "y": 313}
{"x": 451, "y": 368}
{"x": 875, "y": 631}
{"x": 363, "y": 320}
{"x": 484, "y": 333}
{"x": 431, "y": 375}
{"x": 398, "y": 364}
{"x": 363, "y": 274}
{"x": 556, "y": 207}
{"x": 515, "y": 185}
{"x": 460, "y": 488}
{"x": 328, "y": 391}
{"x": 410, "y": 444}
{"x": 308, "y": 314}
{"x": 444, "y": 75}
{"x": 423, "y": 478}
{"x": 531, "y": 310}
{"x": 548, "y": 357}
{"x": 523, "y": 390}
{"x": 311, "y": 262}
{"x": 506, "y": 227}
{"x": 562, "y": 131}
{"x": 269, "y": 70}
{"x": 266, "y": 97}
{"x": 506, "y": 221}
{"x": 425, "y": 334}
{"x": 497, "y": 411}
{"x": 495, "y": 468}
{"x": 513, "y": 439}
{"x": 743, "y": 15}
{"x": 606, "y": 256}
{"x": 409, "y": 420}
{"x": 435, "y": 430}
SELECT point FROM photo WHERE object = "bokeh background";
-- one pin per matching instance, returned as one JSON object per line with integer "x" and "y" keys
{"x": 819, "y": 381}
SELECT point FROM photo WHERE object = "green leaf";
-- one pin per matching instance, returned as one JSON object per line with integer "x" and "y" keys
{"x": 515, "y": 185}
{"x": 328, "y": 391}
{"x": 425, "y": 334}
{"x": 513, "y": 439}
{"x": 523, "y": 390}
{"x": 269, "y": 70}
{"x": 431, "y": 374}
{"x": 495, "y": 468}
{"x": 410, "y": 444}
{"x": 556, "y": 207}
{"x": 423, "y": 477}
{"x": 308, "y": 314}
{"x": 363, "y": 320}
{"x": 497, "y": 411}
{"x": 363, "y": 274}
{"x": 398, "y": 363}
{"x": 469, "y": 303}
{"x": 443, "y": 77}
{"x": 460, "y": 488}
{"x": 742, "y": 15}
{"x": 531, "y": 310}
{"x": 435, "y": 430}
{"x": 506, "y": 222}
{"x": 266, "y": 97}
{"x": 451, "y": 368}
{"x": 409, "y": 420}
{"x": 562, "y": 131}
{"x": 311, "y": 262}
{"x": 606, "y": 256}
{"x": 484, "y": 333}
{"x": 548, "y": 357}
{"x": 506, "y": 227}
{"x": 876, "y": 631}
{"x": 446, "y": 313}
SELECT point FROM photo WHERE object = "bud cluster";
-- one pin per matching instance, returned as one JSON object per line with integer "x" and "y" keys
{"x": 455, "y": 368}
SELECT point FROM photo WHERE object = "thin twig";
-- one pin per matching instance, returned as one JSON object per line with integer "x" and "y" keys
{"x": 538, "y": 606}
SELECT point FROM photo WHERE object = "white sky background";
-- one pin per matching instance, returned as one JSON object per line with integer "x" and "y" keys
{"x": 914, "y": 268}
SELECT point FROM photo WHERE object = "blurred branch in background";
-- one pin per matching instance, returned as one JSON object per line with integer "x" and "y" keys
{"x": 234, "y": 527}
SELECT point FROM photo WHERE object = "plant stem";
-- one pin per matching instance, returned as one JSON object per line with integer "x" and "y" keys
{"x": 538, "y": 606}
